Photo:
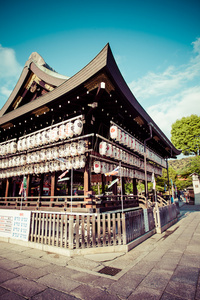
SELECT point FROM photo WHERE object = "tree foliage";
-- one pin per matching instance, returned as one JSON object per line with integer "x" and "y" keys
{"x": 185, "y": 134}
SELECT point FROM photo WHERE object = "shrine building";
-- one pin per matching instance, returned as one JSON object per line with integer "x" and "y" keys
{"x": 81, "y": 137}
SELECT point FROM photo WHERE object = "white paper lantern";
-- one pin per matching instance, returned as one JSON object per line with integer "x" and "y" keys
{"x": 73, "y": 149}
{"x": 23, "y": 160}
{"x": 114, "y": 132}
{"x": 13, "y": 147}
{"x": 81, "y": 148}
{"x": 78, "y": 127}
{"x": 43, "y": 155}
{"x": 109, "y": 150}
{"x": 46, "y": 167}
{"x": 34, "y": 141}
{"x": 103, "y": 148}
{"x": 103, "y": 168}
{"x": 67, "y": 149}
{"x": 29, "y": 142}
{"x": 19, "y": 145}
{"x": 69, "y": 129}
{"x": 123, "y": 135}
{"x": 69, "y": 163}
{"x": 82, "y": 161}
{"x": 55, "y": 152}
{"x": 45, "y": 137}
{"x": 62, "y": 132}
{"x": 75, "y": 162}
{"x": 97, "y": 167}
{"x": 61, "y": 151}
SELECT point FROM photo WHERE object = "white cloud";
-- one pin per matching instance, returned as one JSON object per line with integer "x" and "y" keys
{"x": 9, "y": 67}
{"x": 176, "y": 91}
{"x": 171, "y": 109}
{"x": 10, "y": 71}
{"x": 171, "y": 80}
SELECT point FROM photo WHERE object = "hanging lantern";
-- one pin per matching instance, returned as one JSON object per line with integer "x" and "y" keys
{"x": 45, "y": 138}
{"x": 82, "y": 161}
{"x": 46, "y": 167}
{"x": 61, "y": 151}
{"x": 62, "y": 132}
{"x": 103, "y": 148}
{"x": 78, "y": 127}
{"x": 75, "y": 162}
{"x": 29, "y": 142}
{"x": 13, "y": 147}
{"x": 67, "y": 150}
{"x": 19, "y": 145}
{"x": 73, "y": 149}
{"x": 109, "y": 150}
{"x": 69, "y": 163}
{"x": 103, "y": 167}
{"x": 97, "y": 167}
{"x": 69, "y": 129}
{"x": 55, "y": 152}
{"x": 43, "y": 155}
{"x": 23, "y": 160}
{"x": 81, "y": 148}
{"x": 39, "y": 139}
{"x": 114, "y": 132}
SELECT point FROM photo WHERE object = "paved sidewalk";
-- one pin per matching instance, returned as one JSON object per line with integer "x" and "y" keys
{"x": 166, "y": 266}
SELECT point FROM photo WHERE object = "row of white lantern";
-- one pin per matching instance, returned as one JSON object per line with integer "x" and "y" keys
{"x": 69, "y": 149}
{"x": 8, "y": 148}
{"x": 43, "y": 137}
{"x": 109, "y": 150}
{"x": 125, "y": 139}
{"x": 129, "y": 141}
{"x": 103, "y": 168}
{"x": 77, "y": 162}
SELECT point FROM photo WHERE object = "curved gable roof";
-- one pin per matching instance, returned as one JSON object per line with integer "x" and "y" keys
{"x": 35, "y": 65}
{"x": 104, "y": 61}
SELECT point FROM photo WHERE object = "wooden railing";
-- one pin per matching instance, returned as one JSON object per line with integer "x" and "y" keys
{"x": 79, "y": 231}
{"x": 165, "y": 214}
{"x": 87, "y": 203}
{"x": 58, "y": 203}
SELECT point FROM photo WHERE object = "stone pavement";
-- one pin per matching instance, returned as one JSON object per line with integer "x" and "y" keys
{"x": 166, "y": 266}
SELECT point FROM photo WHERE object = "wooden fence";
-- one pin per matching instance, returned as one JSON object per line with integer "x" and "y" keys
{"x": 164, "y": 216}
{"x": 79, "y": 231}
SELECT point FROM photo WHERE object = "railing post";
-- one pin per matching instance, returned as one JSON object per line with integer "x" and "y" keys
{"x": 71, "y": 232}
{"x": 124, "y": 228}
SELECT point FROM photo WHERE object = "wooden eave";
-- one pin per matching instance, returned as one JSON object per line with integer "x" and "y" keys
{"x": 103, "y": 62}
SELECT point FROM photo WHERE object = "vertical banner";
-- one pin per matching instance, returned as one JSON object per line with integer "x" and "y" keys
{"x": 146, "y": 220}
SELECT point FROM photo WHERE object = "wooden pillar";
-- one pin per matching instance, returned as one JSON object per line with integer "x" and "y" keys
{"x": 103, "y": 183}
{"x": 86, "y": 180}
{"x": 7, "y": 188}
{"x": 114, "y": 187}
{"x": 27, "y": 188}
{"x": 123, "y": 185}
{"x": 135, "y": 191}
{"x": 41, "y": 184}
{"x": 53, "y": 184}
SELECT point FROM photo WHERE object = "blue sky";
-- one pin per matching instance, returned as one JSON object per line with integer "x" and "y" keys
{"x": 156, "y": 44}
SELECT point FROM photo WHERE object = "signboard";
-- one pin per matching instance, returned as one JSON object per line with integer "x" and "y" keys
{"x": 15, "y": 224}
{"x": 146, "y": 220}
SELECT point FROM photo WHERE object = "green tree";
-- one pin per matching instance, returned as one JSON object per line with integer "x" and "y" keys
{"x": 193, "y": 167}
{"x": 163, "y": 180}
{"x": 185, "y": 134}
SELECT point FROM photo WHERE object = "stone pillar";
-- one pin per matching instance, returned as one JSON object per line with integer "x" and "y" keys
{"x": 196, "y": 187}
